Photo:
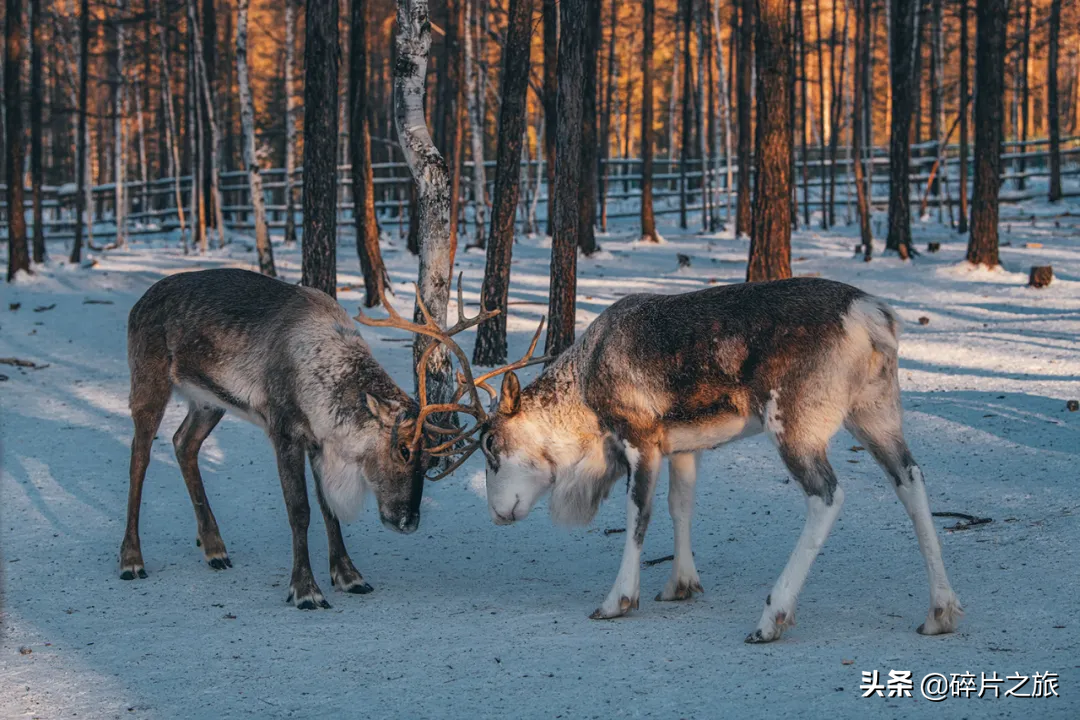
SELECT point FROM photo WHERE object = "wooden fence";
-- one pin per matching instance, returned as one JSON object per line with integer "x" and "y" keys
{"x": 151, "y": 208}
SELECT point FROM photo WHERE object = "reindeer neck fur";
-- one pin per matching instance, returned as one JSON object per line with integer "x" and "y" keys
{"x": 586, "y": 459}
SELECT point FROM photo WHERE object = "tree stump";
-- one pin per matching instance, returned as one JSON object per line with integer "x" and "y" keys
{"x": 1041, "y": 276}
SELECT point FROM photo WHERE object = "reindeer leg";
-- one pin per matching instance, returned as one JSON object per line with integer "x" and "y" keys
{"x": 824, "y": 499}
{"x": 343, "y": 574}
{"x": 626, "y": 590}
{"x": 684, "y": 580}
{"x": 188, "y": 440}
{"x": 150, "y": 392}
{"x": 303, "y": 590}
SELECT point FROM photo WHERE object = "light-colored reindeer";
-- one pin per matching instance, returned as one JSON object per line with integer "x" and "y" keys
{"x": 290, "y": 360}
{"x": 669, "y": 376}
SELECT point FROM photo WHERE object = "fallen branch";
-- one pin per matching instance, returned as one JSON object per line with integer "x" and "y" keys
{"x": 972, "y": 521}
{"x": 614, "y": 531}
{"x": 19, "y": 362}
{"x": 657, "y": 561}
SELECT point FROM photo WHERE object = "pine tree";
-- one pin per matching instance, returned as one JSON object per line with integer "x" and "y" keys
{"x": 18, "y": 253}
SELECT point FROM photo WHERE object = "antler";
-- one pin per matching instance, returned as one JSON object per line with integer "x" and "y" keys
{"x": 467, "y": 383}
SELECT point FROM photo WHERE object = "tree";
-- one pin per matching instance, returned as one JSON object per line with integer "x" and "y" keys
{"x": 605, "y": 118}
{"x": 251, "y": 161}
{"x": 770, "y": 233}
{"x": 363, "y": 179}
{"x": 859, "y": 81}
{"x": 990, "y": 35}
{"x": 290, "y": 122}
{"x": 587, "y": 201}
{"x": 686, "y": 141}
{"x": 1053, "y": 116}
{"x": 962, "y": 226}
{"x": 490, "y": 346}
{"x": 573, "y": 23}
{"x": 432, "y": 180}
{"x": 172, "y": 135}
{"x": 81, "y": 136}
{"x": 454, "y": 110}
{"x": 18, "y": 254}
{"x": 211, "y": 154}
{"x": 551, "y": 58}
{"x": 476, "y": 126}
{"x": 743, "y": 77}
{"x": 903, "y": 46}
{"x": 319, "y": 248}
{"x": 648, "y": 220}
{"x": 36, "y": 88}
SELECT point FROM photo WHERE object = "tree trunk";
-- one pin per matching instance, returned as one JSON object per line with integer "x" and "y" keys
{"x": 587, "y": 201}
{"x": 937, "y": 98}
{"x": 195, "y": 146}
{"x": 821, "y": 112}
{"x": 743, "y": 216}
{"x": 648, "y": 220}
{"x": 363, "y": 178}
{"x": 700, "y": 111}
{"x": 800, "y": 32}
{"x": 551, "y": 57}
{"x": 862, "y": 67}
{"x": 603, "y": 168}
{"x": 432, "y": 180}
{"x": 962, "y": 226}
{"x": 1053, "y": 117}
{"x": 990, "y": 38}
{"x": 1022, "y": 78}
{"x": 251, "y": 161}
{"x": 206, "y": 54}
{"x": 770, "y": 234}
{"x": 490, "y": 346}
{"x": 836, "y": 124}
{"x": 18, "y": 254}
{"x": 476, "y": 126}
{"x": 36, "y": 89}
{"x": 725, "y": 105}
{"x": 904, "y": 36}
{"x": 171, "y": 134}
{"x": 119, "y": 134}
{"x": 290, "y": 122}
{"x": 686, "y": 139}
{"x": 455, "y": 110}
{"x": 321, "y": 52}
{"x": 573, "y": 41}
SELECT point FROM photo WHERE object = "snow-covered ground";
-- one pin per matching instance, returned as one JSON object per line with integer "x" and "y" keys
{"x": 473, "y": 620}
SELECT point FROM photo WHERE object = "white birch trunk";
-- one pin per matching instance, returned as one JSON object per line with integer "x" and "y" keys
{"x": 476, "y": 129}
{"x": 251, "y": 162}
{"x": 703, "y": 143}
{"x": 211, "y": 114}
{"x": 539, "y": 170}
{"x": 143, "y": 171}
{"x": 290, "y": 121}
{"x": 170, "y": 125}
{"x": 429, "y": 172}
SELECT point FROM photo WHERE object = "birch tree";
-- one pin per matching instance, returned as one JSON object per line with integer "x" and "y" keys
{"x": 171, "y": 135}
{"x": 476, "y": 125}
{"x": 1053, "y": 117}
{"x": 859, "y": 77}
{"x": 743, "y": 91}
{"x": 725, "y": 104}
{"x": 208, "y": 99}
{"x": 119, "y": 139}
{"x": 432, "y": 180}
{"x": 251, "y": 161}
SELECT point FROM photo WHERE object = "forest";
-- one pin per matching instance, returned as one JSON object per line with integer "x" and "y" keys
{"x": 551, "y": 251}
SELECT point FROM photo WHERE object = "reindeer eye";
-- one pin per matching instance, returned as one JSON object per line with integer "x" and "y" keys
{"x": 405, "y": 452}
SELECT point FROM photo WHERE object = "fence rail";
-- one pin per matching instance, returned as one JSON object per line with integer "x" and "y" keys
{"x": 151, "y": 207}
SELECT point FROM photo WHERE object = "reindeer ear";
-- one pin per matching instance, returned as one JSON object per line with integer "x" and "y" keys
{"x": 510, "y": 394}
{"x": 380, "y": 410}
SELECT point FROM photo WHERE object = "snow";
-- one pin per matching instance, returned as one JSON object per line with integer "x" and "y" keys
{"x": 473, "y": 620}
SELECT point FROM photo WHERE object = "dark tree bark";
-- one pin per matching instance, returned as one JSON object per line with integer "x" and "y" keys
{"x": 551, "y": 58}
{"x": 743, "y": 217}
{"x": 208, "y": 26}
{"x": 18, "y": 254}
{"x": 490, "y": 346}
{"x": 363, "y": 183}
{"x": 1054, "y": 118}
{"x": 454, "y": 109}
{"x": 648, "y": 219}
{"x": 319, "y": 244}
{"x": 1025, "y": 63}
{"x": 573, "y": 24}
{"x": 990, "y": 34}
{"x": 605, "y": 121}
{"x": 962, "y": 226}
{"x": 903, "y": 50}
{"x": 770, "y": 234}
{"x": 80, "y": 139}
{"x": 686, "y": 141}
{"x": 589, "y": 152}
{"x": 800, "y": 32}
{"x": 36, "y": 90}
{"x": 862, "y": 67}
{"x": 821, "y": 111}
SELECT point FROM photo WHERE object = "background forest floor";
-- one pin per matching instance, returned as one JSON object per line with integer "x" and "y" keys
{"x": 473, "y": 620}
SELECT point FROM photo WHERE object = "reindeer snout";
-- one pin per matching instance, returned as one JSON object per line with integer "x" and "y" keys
{"x": 404, "y": 524}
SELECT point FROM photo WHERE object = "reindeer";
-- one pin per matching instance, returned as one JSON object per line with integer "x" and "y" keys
{"x": 289, "y": 360}
{"x": 658, "y": 376}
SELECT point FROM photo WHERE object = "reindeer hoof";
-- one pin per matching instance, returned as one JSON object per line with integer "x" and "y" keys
{"x": 130, "y": 573}
{"x": 757, "y": 637}
{"x": 626, "y": 604}
{"x": 681, "y": 591}
{"x": 346, "y": 578}
{"x": 219, "y": 563}
{"x": 307, "y": 596}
